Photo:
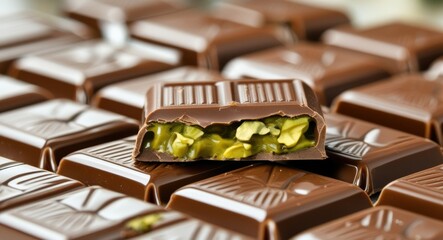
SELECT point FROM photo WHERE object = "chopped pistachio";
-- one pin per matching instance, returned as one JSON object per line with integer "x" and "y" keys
{"x": 180, "y": 145}
{"x": 192, "y": 132}
{"x": 247, "y": 129}
{"x": 273, "y": 129}
{"x": 238, "y": 150}
{"x": 292, "y": 130}
{"x": 143, "y": 224}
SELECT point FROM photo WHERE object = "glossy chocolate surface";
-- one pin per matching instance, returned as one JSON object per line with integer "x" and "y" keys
{"x": 404, "y": 47}
{"x": 128, "y": 97}
{"x": 365, "y": 154}
{"x": 408, "y": 102}
{"x": 269, "y": 200}
{"x": 304, "y": 21}
{"x": 88, "y": 213}
{"x": 326, "y": 69}
{"x": 110, "y": 165}
{"x": 15, "y": 94}
{"x": 420, "y": 192}
{"x": 204, "y": 40}
{"x": 378, "y": 223}
{"x": 21, "y": 183}
{"x": 77, "y": 72}
{"x": 28, "y": 32}
{"x": 41, "y": 134}
{"x": 225, "y": 102}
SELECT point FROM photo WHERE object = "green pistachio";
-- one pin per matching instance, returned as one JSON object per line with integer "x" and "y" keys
{"x": 292, "y": 130}
{"x": 180, "y": 145}
{"x": 238, "y": 150}
{"x": 143, "y": 224}
{"x": 247, "y": 129}
{"x": 192, "y": 132}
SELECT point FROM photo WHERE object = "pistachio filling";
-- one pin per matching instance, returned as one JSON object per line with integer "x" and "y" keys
{"x": 143, "y": 224}
{"x": 276, "y": 134}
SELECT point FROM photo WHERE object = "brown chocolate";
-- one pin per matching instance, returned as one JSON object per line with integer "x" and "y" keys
{"x": 420, "y": 192}
{"x": 378, "y": 223}
{"x": 128, "y": 97}
{"x": 21, "y": 183}
{"x": 41, "y": 134}
{"x": 77, "y": 72}
{"x": 110, "y": 165}
{"x": 15, "y": 94}
{"x": 204, "y": 40}
{"x": 226, "y": 102}
{"x": 301, "y": 21}
{"x": 364, "y": 154}
{"x": 269, "y": 201}
{"x": 326, "y": 69}
{"x": 408, "y": 102}
{"x": 401, "y": 46}
{"x": 29, "y": 32}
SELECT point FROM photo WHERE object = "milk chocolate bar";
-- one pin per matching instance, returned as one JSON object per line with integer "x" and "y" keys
{"x": 21, "y": 183}
{"x": 301, "y": 21}
{"x": 268, "y": 201}
{"x": 28, "y": 32}
{"x": 204, "y": 40}
{"x": 420, "y": 192}
{"x": 15, "y": 94}
{"x": 403, "y": 47}
{"x": 231, "y": 120}
{"x": 365, "y": 154}
{"x": 378, "y": 223}
{"x": 127, "y": 98}
{"x": 408, "y": 102}
{"x": 110, "y": 165}
{"x": 77, "y": 72}
{"x": 326, "y": 69}
{"x": 41, "y": 134}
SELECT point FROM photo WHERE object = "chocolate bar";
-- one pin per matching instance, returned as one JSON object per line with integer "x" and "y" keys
{"x": 409, "y": 103}
{"x": 420, "y": 192}
{"x": 231, "y": 120}
{"x": 110, "y": 165}
{"x": 301, "y": 21}
{"x": 21, "y": 183}
{"x": 326, "y": 69}
{"x": 364, "y": 154}
{"x": 41, "y": 134}
{"x": 29, "y": 32}
{"x": 268, "y": 201}
{"x": 77, "y": 72}
{"x": 99, "y": 14}
{"x": 401, "y": 46}
{"x": 378, "y": 223}
{"x": 15, "y": 94}
{"x": 128, "y": 97}
{"x": 204, "y": 40}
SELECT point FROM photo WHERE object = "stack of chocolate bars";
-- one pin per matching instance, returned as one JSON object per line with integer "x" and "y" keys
{"x": 236, "y": 119}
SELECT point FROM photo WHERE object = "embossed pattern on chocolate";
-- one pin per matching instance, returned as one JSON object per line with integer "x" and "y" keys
{"x": 42, "y": 134}
{"x": 77, "y": 72}
{"x": 327, "y": 70}
{"x": 21, "y": 183}
{"x": 268, "y": 200}
{"x": 378, "y": 223}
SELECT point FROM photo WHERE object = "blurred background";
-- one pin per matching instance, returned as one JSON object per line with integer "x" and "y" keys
{"x": 362, "y": 12}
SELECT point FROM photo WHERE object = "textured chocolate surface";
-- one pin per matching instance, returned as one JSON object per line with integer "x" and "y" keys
{"x": 378, "y": 223}
{"x": 77, "y": 72}
{"x": 303, "y": 21}
{"x": 225, "y": 102}
{"x": 128, "y": 97}
{"x": 21, "y": 183}
{"x": 326, "y": 69}
{"x": 110, "y": 165}
{"x": 365, "y": 154}
{"x": 28, "y": 32}
{"x": 15, "y": 94}
{"x": 41, "y": 134}
{"x": 409, "y": 103}
{"x": 404, "y": 47}
{"x": 204, "y": 40}
{"x": 420, "y": 192}
{"x": 268, "y": 200}
{"x": 88, "y": 213}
